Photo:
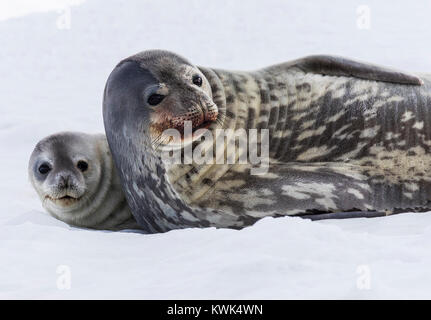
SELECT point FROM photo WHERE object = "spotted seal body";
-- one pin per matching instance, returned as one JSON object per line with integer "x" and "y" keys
{"x": 343, "y": 136}
{"x": 75, "y": 178}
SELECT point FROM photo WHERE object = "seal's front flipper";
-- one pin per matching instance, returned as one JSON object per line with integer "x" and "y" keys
{"x": 320, "y": 190}
{"x": 292, "y": 189}
{"x": 339, "y": 66}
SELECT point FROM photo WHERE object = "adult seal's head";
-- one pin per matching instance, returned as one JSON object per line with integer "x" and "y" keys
{"x": 75, "y": 179}
{"x": 161, "y": 91}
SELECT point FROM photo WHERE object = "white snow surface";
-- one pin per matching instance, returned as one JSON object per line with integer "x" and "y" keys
{"x": 52, "y": 79}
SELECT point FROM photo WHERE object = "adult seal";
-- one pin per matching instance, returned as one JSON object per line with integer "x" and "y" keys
{"x": 344, "y": 136}
{"x": 75, "y": 178}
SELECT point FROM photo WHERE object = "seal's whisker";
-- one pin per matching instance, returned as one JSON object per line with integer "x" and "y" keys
{"x": 161, "y": 140}
{"x": 156, "y": 140}
{"x": 219, "y": 121}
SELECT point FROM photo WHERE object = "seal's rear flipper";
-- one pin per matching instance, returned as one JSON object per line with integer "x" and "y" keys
{"x": 342, "y": 215}
{"x": 338, "y": 66}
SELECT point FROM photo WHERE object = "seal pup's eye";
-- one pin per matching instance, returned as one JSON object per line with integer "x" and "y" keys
{"x": 197, "y": 80}
{"x": 155, "y": 99}
{"x": 82, "y": 165}
{"x": 44, "y": 168}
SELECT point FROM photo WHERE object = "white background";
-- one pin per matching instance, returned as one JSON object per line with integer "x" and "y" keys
{"x": 52, "y": 76}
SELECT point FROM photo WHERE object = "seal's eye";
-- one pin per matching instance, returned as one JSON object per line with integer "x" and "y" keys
{"x": 44, "y": 168}
{"x": 82, "y": 165}
{"x": 155, "y": 99}
{"x": 197, "y": 80}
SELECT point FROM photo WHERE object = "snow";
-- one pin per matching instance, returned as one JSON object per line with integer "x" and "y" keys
{"x": 18, "y": 8}
{"x": 54, "y": 68}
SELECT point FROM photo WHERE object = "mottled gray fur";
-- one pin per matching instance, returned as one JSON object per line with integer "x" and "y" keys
{"x": 344, "y": 136}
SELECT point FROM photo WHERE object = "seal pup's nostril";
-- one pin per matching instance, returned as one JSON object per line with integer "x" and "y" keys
{"x": 64, "y": 181}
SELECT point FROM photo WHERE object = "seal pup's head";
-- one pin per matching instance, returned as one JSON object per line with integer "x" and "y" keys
{"x": 74, "y": 177}
{"x": 159, "y": 90}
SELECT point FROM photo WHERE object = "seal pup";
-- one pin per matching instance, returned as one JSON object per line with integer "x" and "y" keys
{"x": 344, "y": 136}
{"x": 75, "y": 178}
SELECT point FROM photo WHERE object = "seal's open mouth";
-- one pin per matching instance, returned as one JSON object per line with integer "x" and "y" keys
{"x": 186, "y": 124}
{"x": 67, "y": 198}
{"x": 189, "y": 135}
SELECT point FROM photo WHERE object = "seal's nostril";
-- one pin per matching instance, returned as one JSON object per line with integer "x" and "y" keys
{"x": 64, "y": 181}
